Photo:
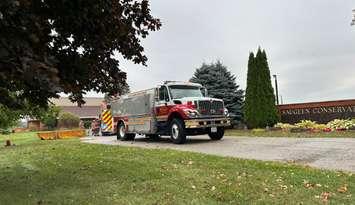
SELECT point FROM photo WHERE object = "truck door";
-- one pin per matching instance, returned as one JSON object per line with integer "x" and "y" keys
{"x": 164, "y": 104}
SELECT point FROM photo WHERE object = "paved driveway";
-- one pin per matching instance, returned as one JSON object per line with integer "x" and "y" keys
{"x": 328, "y": 153}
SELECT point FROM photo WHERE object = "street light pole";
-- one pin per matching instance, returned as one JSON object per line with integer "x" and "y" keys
{"x": 353, "y": 21}
{"x": 276, "y": 89}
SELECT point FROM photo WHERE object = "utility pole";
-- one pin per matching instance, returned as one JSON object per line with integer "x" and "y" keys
{"x": 353, "y": 21}
{"x": 282, "y": 100}
{"x": 276, "y": 89}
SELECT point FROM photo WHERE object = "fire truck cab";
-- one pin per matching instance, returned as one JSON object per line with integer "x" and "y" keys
{"x": 176, "y": 109}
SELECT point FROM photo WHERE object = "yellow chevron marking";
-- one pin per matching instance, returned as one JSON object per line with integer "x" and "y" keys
{"x": 107, "y": 115}
{"x": 105, "y": 112}
{"x": 107, "y": 120}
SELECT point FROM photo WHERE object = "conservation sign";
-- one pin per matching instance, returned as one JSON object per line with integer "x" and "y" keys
{"x": 321, "y": 112}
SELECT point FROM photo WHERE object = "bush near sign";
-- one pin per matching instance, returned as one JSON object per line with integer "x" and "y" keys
{"x": 321, "y": 112}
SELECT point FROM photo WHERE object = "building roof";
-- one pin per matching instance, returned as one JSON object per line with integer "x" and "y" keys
{"x": 91, "y": 109}
{"x": 89, "y": 101}
{"x": 84, "y": 111}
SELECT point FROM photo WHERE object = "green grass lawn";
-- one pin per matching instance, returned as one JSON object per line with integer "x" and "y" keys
{"x": 260, "y": 133}
{"x": 71, "y": 172}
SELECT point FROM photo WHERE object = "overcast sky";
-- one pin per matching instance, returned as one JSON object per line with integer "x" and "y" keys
{"x": 310, "y": 44}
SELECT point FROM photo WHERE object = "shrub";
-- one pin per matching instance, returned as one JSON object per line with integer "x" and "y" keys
{"x": 306, "y": 124}
{"x": 87, "y": 124}
{"x": 338, "y": 124}
{"x": 68, "y": 120}
{"x": 258, "y": 130}
{"x": 49, "y": 117}
{"x": 284, "y": 126}
{"x": 5, "y": 131}
{"x": 320, "y": 126}
{"x": 8, "y": 118}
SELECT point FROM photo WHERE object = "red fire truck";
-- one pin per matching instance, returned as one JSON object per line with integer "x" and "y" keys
{"x": 176, "y": 109}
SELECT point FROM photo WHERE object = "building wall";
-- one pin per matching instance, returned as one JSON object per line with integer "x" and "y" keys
{"x": 35, "y": 125}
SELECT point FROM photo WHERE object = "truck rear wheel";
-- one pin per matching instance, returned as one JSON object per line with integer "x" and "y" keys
{"x": 129, "y": 136}
{"x": 122, "y": 135}
{"x": 217, "y": 135}
{"x": 177, "y": 131}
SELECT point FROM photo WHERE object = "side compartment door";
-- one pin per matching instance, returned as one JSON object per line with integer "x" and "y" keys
{"x": 139, "y": 119}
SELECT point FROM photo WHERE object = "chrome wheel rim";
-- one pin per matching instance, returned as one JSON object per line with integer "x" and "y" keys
{"x": 175, "y": 131}
{"x": 122, "y": 132}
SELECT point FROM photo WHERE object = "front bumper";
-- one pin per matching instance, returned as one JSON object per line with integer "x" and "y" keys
{"x": 210, "y": 122}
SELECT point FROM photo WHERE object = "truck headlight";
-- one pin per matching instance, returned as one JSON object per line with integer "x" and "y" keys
{"x": 226, "y": 113}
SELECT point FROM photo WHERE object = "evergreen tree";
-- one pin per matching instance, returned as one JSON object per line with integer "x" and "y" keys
{"x": 220, "y": 83}
{"x": 260, "y": 109}
{"x": 251, "y": 95}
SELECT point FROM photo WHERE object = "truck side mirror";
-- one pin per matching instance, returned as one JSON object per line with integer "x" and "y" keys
{"x": 156, "y": 96}
{"x": 204, "y": 92}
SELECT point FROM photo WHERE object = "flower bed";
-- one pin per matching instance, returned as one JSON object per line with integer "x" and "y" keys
{"x": 311, "y": 126}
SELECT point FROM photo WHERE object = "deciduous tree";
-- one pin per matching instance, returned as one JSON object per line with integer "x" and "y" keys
{"x": 53, "y": 46}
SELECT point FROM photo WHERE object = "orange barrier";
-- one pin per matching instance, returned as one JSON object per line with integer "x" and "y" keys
{"x": 61, "y": 134}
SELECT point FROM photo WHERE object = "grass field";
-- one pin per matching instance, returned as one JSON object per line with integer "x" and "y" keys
{"x": 262, "y": 133}
{"x": 70, "y": 172}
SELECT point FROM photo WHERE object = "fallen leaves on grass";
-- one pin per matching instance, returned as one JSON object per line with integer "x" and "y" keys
{"x": 307, "y": 184}
{"x": 325, "y": 196}
{"x": 189, "y": 162}
{"x": 283, "y": 187}
{"x": 343, "y": 188}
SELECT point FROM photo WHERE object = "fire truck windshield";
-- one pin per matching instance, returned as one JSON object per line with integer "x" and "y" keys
{"x": 182, "y": 91}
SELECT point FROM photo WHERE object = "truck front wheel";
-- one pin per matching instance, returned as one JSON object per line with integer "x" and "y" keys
{"x": 217, "y": 135}
{"x": 177, "y": 131}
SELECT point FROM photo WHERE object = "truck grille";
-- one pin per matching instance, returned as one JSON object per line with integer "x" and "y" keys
{"x": 211, "y": 107}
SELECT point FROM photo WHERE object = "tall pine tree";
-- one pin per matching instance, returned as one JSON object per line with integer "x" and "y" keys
{"x": 220, "y": 83}
{"x": 251, "y": 96}
{"x": 260, "y": 109}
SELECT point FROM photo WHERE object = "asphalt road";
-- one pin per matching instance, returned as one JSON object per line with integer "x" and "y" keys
{"x": 325, "y": 153}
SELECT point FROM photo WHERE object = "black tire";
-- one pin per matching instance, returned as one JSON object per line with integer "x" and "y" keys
{"x": 217, "y": 135}
{"x": 177, "y": 131}
{"x": 153, "y": 137}
{"x": 122, "y": 135}
{"x": 128, "y": 137}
